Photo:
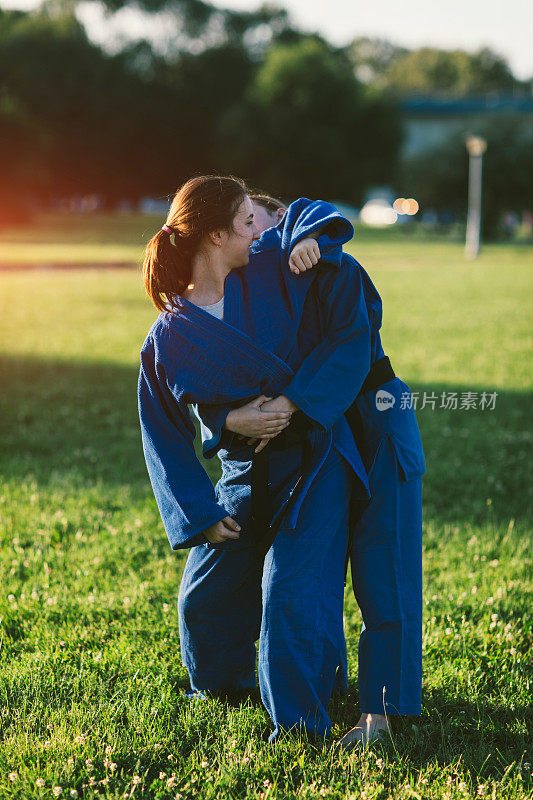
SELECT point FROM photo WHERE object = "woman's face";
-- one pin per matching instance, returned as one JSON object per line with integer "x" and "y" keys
{"x": 264, "y": 219}
{"x": 236, "y": 243}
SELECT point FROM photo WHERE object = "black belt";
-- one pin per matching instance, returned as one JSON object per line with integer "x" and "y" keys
{"x": 380, "y": 372}
{"x": 294, "y": 433}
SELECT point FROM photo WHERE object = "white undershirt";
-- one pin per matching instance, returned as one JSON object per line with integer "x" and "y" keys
{"x": 216, "y": 309}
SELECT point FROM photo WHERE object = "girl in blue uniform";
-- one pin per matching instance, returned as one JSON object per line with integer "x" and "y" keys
{"x": 386, "y": 541}
{"x": 267, "y": 543}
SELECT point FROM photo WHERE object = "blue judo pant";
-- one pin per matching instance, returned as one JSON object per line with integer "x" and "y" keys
{"x": 294, "y": 606}
{"x": 386, "y": 568}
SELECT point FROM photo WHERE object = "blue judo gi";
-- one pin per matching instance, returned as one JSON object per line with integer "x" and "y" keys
{"x": 271, "y": 341}
{"x": 386, "y": 540}
{"x": 385, "y": 543}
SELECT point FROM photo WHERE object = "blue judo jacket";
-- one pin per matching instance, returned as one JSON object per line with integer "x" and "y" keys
{"x": 271, "y": 341}
{"x": 325, "y": 353}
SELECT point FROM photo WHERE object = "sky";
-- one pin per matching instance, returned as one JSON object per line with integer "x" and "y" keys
{"x": 506, "y": 26}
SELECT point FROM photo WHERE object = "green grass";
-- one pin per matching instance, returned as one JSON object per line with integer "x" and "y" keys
{"x": 90, "y": 650}
{"x": 78, "y": 239}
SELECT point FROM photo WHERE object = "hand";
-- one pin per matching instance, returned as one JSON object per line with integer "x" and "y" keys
{"x": 222, "y": 531}
{"x": 280, "y": 404}
{"x": 304, "y": 255}
{"x": 256, "y": 421}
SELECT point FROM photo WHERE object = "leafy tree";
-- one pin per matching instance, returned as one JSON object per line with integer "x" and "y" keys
{"x": 434, "y": 71}
{"x": 307, "y": 127}
{"x": 373, "y": 58}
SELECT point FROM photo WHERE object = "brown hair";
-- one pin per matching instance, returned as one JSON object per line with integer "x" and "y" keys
{"x": 270, "y": 203}
{"x": 204, "y": 203}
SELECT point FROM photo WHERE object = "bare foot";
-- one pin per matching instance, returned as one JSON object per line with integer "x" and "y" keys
{"x": 368, "y": 729}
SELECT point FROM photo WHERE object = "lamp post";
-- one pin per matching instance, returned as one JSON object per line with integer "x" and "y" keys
{"x": 476, "y": 146}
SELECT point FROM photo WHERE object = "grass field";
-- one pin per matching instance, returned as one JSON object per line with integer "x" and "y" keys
{"x": 90, "y": 673}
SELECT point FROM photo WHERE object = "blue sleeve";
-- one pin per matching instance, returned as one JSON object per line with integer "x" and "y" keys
{"x": 330, "y": 377}
{"x": 183, "y": 490}
{"x": 305, "y": 218}
{"x": 330, "y": 252}
{"x": 214, "y": 436}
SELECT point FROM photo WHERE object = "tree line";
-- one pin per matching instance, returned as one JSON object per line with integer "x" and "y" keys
{"x": 235, "y": 92}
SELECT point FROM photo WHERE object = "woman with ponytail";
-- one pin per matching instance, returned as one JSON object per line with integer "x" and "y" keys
{"x": 238, "y": 327}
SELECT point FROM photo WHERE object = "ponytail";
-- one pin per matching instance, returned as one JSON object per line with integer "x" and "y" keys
{"x": 167, "y": 268}
{"x": 203, "y": 204}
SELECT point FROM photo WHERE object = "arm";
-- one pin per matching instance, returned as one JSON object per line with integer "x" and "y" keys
{"x": 319, "y": 220}
{"x": 183, "y": 490}
{"x": 330, "y": 377}
{"x": 212, "y": 418}
{"x": 220, "y": 424}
